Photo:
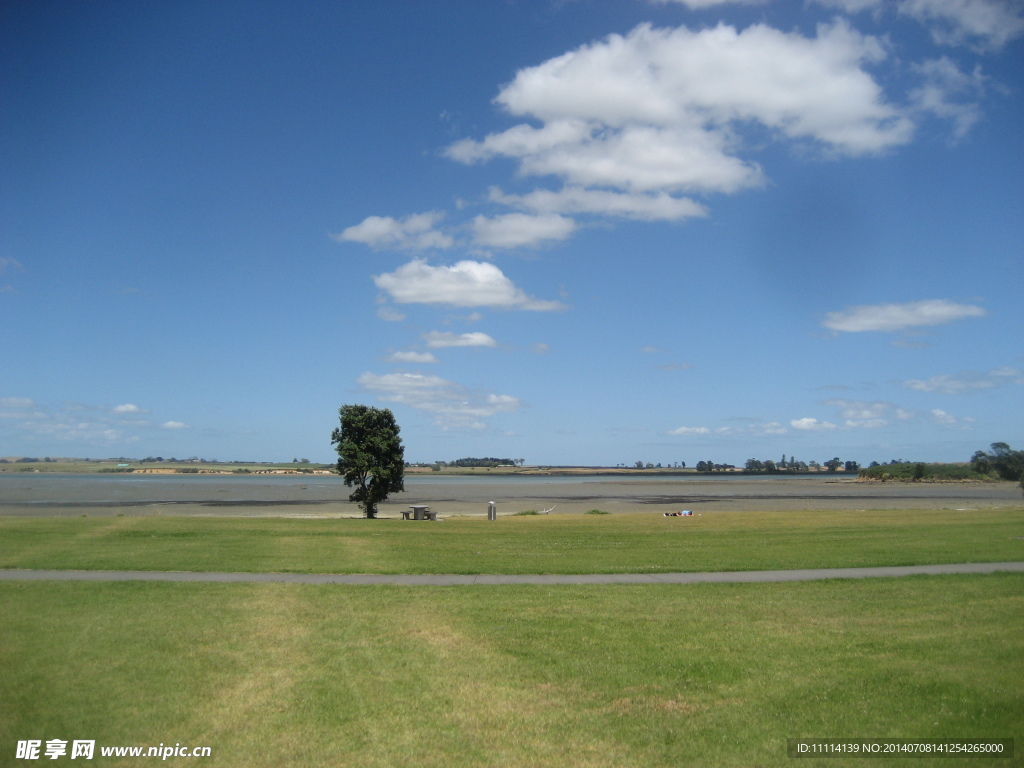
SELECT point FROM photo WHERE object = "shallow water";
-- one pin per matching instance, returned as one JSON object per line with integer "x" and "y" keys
{"x": 27, "y": 494}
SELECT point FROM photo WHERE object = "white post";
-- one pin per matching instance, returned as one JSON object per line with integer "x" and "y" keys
{"x": 492, "y": 511}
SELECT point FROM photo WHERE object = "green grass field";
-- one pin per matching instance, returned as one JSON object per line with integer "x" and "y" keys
{"x": 611, "y": 675}
{"x": 518, "y": 544}
{"x": 645, "y": 676}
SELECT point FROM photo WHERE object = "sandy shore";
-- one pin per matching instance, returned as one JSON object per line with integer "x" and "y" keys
{"x": 772, "y": 494}
{"x": 42, "y": 497}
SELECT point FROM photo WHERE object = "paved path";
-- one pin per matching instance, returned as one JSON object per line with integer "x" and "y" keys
{"x": 448, "y": 580}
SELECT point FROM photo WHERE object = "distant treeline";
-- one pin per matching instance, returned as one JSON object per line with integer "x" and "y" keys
{"x": 910, "y": 470}
{"x": 1002, "y": 463}
{"x": 790, "y": 465}
{"x": 487, "y": 461}
{"x": 793, "y": 465}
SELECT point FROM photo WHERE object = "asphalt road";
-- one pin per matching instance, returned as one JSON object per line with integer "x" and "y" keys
{"x": 448, "y": 580}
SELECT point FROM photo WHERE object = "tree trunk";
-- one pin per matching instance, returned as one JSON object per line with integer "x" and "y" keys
{"x": 371, "y": 511}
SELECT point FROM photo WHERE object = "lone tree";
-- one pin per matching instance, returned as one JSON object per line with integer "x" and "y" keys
{"x": 370, "y": 454}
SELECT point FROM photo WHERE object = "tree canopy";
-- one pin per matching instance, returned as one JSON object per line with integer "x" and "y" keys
{"x": 371, "y": 456}
{"x": 1003, "y": 460}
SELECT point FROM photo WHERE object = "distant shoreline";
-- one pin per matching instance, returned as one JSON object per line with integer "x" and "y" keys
{"x": 12, "y": 465}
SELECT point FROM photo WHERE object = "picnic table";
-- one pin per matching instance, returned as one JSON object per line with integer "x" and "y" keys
{"x": 419, "y": 512}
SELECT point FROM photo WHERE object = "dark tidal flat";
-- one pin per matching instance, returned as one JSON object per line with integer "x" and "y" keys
{"x": 296, "y": 496}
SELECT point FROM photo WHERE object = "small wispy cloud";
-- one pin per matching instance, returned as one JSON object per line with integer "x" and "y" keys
{"x": 808, "y": 424}
{"x": 949, "y": 94}
{"x": 452, "y": 405}
{"x": 945, "y": 419}
{"x": 389, "y": 314}
{"x": 985, "y": 25}
{"x": 898, "y": 317}
{"x": 966, "y": 382}
{"x": 411, "y": 357}
{"x": 25, "y": 419}
{"x": 628, "y": 205}
{"x": 442, "y": 339}
{"x": 412, "y": 233}
{"x": 16, "y": 402}
{"x": 757, "y": 429}
{"x": 862, "y": 414}
{"x": 690, "y": 431}
{"x": 127, "y": 408}
{"x": 8, "y": 264}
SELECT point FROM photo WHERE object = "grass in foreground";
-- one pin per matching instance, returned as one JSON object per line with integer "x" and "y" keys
{"x": 522, "y": 544}
{"x": 645, "y": 676}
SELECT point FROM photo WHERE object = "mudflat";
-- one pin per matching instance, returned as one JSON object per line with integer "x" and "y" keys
{"x": 297, "y": 496}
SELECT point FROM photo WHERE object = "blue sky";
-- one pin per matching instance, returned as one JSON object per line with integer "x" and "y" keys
{"x": 587, "y": 232}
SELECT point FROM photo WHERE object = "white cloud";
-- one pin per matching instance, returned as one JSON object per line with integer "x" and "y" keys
{"x": 127, "y": 408}
{"x": 968, "y": 381}
{"x": 896, "y": 317}
{"x": 690, "y": 431}
{"x": 452, "y": 405}
{"x": 635, "y": 126}
{"x": 464, "y": 284}
{"x": 412, "y": 357}
{"x": 442, "y": 339}
{"x": 657, "y": 110}
{"x": 811, "y": 425}
{"x": 982, "y": 24}
{"x": 174, "y": 425}
{"x": 602, "y": 202}
{"x": 517, "y": 230}
{"x": 413, "y": 233}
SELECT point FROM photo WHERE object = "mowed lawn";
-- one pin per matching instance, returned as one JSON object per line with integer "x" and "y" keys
{"x": 615, "y": 675}
{"x": 602, "y": 675}
{"x": 634, "y": 543}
